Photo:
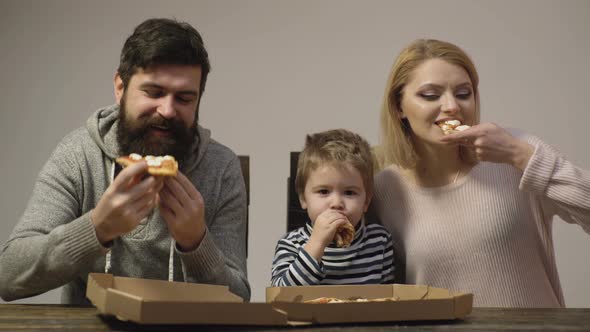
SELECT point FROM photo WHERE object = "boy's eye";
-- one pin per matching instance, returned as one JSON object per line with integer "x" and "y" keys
{"x": 323, "y": 191}
{"x": 350, "y": 193}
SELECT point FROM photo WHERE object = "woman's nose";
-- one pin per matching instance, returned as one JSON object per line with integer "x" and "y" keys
{"x": 449, "y": 104}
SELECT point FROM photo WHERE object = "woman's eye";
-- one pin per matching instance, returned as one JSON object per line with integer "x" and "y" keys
{"x": 464, "y": 95}
{"x": 429, "y": 96}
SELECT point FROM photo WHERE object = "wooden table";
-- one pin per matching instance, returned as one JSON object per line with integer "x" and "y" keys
{"x": 34, "y": 317}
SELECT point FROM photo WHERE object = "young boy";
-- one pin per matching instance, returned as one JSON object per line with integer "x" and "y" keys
{"x": 335, "y": 184}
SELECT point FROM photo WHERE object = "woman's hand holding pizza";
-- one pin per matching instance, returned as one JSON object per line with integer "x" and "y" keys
{"x": 493, "y": 143}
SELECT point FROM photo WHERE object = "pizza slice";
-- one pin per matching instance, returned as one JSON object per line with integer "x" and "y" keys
{"x": 451, "y": 126}
{"x": 157, "y": 165}
{"x": 326, "y": 300}
{"x": 344, "y": 235}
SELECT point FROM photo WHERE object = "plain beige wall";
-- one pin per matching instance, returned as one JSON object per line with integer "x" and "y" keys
{"x": 282, "y": 69}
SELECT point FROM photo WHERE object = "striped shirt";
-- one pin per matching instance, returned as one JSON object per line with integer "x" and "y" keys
{"x": 368, "y": 260}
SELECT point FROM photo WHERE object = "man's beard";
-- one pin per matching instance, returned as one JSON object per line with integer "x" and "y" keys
{"x": 134, "y": 136}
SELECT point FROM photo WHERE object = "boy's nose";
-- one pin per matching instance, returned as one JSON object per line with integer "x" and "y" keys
{"x": 336, "y": 203}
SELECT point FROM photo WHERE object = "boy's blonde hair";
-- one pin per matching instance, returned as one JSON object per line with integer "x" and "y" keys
{"x": 335, "y": 148}
{"x": 397, "y": 145}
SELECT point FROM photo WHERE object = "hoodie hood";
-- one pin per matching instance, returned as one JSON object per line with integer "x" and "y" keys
{"x": 102, "y": 127}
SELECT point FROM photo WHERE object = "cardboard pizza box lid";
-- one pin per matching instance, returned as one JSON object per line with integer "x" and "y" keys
{"x": 147, "y": 301}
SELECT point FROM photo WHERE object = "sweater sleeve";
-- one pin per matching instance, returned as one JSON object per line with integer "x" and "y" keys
{"x": 293, "y": 266}
{"x": 221, "y": 257}
{"x": 564, "y": 187}
{"x": 52, "y": 243}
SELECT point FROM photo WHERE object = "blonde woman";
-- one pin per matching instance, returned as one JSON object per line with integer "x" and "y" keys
{"x": 472, "y": 210}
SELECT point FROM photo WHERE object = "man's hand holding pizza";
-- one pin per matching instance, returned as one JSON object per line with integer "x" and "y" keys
{"x": 127, "y": 201}
{"x": 183, "y": 209}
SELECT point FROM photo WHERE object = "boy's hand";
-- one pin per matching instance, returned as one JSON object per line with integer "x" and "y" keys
{"x": 324, "y": 229}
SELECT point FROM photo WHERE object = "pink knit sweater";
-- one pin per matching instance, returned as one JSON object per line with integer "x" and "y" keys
{"x": 490, "y": 233}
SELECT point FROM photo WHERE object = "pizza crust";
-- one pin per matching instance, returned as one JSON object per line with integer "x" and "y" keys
{"x": 344, "y": 235}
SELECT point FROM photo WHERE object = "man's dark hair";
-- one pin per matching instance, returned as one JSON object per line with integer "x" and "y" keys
{"x": 159, "y": 41}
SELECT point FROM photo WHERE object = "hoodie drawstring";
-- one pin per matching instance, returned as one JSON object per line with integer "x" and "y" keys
{"x": 107, "y": 265}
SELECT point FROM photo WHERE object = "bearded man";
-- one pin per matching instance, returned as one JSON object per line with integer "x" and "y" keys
{"x": 87, "y": 214}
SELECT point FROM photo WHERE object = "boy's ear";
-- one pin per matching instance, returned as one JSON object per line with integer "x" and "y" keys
{"x": 119, "y": 88}
{"x": 302, "y": 202}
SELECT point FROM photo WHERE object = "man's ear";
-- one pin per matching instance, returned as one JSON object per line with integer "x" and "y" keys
{"x": 302, "y": 202}
{"x": 119, "y": 88}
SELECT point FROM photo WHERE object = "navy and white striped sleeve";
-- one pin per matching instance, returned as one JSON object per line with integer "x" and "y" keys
{"x": 293, "y": 266}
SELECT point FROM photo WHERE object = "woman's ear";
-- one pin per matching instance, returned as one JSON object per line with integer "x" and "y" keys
{"x": 119, "y": 88}
{"x": 402, "y": 115}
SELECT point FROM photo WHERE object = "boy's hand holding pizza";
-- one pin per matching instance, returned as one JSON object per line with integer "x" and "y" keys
{"x": 324, "y": 231}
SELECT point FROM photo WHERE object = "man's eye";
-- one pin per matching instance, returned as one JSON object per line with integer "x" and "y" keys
{"x": 153, "y": 93}
{"x": 184, "y": 100}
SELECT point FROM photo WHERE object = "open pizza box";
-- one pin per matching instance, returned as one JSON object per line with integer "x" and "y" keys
{"x": 147, "y": 301}
{"x": 412, "y": 302}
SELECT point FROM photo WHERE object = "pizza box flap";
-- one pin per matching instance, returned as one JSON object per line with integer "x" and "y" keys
{"x": 162, "y": 302}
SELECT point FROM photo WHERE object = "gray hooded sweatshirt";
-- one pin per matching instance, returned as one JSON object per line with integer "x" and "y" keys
{"x": 54, "y": 244}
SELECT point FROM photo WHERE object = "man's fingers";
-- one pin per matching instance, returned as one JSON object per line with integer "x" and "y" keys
{"x": 129, "y": 175}
{"x": 188, "y": 186}
{"x": 170, "y": 200}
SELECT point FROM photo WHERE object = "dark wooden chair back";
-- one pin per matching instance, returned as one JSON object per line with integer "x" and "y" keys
{"x": 245, "y": 165}
{"x": 296, "y": 216}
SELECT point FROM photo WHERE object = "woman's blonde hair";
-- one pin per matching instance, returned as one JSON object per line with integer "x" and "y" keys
{"x": 397, "y": 144}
